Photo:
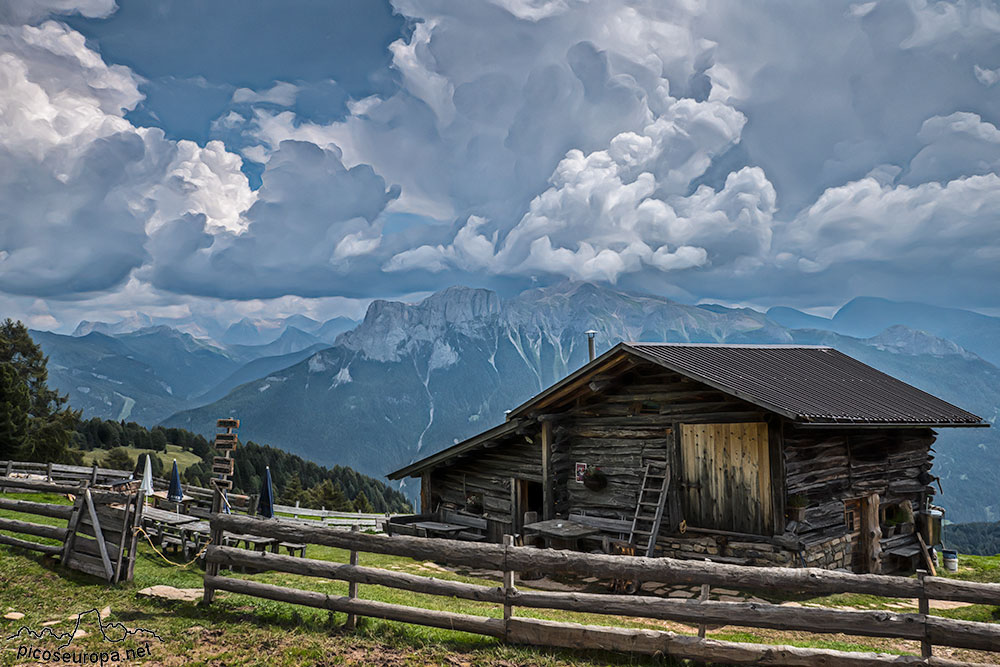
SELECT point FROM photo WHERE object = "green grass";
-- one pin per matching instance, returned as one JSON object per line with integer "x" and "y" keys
{"x": 242, "y": 630}
{"x": 184, "y": 458}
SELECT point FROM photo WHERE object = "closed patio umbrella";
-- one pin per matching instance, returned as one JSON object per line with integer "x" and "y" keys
{"x": 175, "y": 494}
{"x": 266, "y": 506}
{"x": 147, "y": 478}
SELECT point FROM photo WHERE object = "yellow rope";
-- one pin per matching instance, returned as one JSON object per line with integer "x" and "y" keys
{"x": 139, "y": 529}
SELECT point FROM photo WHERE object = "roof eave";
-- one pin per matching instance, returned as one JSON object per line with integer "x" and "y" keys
{"x": 864, "y": 424}
{"x": 417, "y": 467}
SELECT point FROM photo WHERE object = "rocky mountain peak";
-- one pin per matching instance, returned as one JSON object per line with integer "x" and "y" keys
{"x": 391, "y": 328}
{"x": 904, "y": 340}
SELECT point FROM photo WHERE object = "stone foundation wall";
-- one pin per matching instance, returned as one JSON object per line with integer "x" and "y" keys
{"x": 830, "y": 554}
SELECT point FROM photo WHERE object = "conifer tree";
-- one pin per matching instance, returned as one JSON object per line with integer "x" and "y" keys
{"x": 14, "y": 405}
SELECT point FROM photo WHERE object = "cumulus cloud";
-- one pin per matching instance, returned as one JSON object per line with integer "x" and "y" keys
{"x": 715, "y": 147}
{"x": 81, "y": 184}
{"x": 866, "y": 222}
{"x": 281, "y": 93}
{"x": 313, "y": 222}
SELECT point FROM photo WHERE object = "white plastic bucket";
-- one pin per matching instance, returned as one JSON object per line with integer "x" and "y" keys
{"x": 950, "y": 560}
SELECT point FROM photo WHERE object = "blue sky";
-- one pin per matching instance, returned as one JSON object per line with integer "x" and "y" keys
{"x": 220, "y": 159}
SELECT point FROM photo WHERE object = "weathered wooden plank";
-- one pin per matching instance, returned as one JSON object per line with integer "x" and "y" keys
{"x": 941, "y": 588}
{"x": 95, "y": 522}
{"x": 548, "y": 498}
{"x": 32, "y": 485}
{"x": 493, "y": 627}
{"x": 232, "y": 557}
{"x": 944, "y": 631}
{"x": 36, "y": 529}
{"x": 89, "y": 546}
{"x": 47, "y": 549}
{"x": 86, "y": 564}
{"x": 41, "y": 509}
{"x": 538, "y": 632}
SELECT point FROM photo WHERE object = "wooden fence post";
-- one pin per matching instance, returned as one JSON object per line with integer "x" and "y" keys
{"x": 925, "y": 609}
{"x": 352, "y": 587}
{"x": 508, "y": 585}
{"x": 215, "y": 537}
{"x": 48, "y": 471}
{"x": 706, "y": 589}
{"x": 93, "y": 475}
{"x": 296, "y": 515}
{"x": 10, "y": 469}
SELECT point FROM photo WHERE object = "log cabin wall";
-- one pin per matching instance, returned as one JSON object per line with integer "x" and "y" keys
{"x": 620, "y": 426}
{"x": 832, "y": 466}
{"x": 488, "y": 472}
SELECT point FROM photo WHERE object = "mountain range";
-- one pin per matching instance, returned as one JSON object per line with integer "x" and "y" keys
{"x": 411, "y": 379}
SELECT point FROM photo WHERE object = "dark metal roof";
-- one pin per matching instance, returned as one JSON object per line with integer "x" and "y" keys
{"x": 810, "y": 385}
{"x": 807, "y": 384}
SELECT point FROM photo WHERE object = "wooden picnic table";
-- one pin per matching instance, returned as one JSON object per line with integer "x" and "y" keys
{"x": 157, "y": 516}
{"x": 439, "y": 528}
{"x": 170, "y": 527}
{"x": 253, "y": 542}
{"x": 560, "y": 533}
{"x": 159, "y": 499}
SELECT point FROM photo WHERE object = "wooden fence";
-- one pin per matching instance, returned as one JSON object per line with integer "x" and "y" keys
{"x": 922, "y": 627}
{"x": 364, "y": 521}
{"x": 94, "y": 475}
{"x": 98, "y": 537}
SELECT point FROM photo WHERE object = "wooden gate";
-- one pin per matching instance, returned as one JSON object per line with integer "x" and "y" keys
{"x": 100, "y": 538}
{"x": 726, "y": 477}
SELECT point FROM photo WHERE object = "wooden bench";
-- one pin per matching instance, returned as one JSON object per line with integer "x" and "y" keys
{"x": 478, "y": 525}
{"x": 292, "y": 548}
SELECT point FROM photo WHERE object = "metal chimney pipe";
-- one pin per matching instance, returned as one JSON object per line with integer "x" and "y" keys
{"x": 591, "y": 349}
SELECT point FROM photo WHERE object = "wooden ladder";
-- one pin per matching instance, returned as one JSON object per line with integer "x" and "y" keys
{"x": 649, "y": 509}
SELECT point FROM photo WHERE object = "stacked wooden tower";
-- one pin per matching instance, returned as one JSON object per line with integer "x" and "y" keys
{"x": 225, "y": 442}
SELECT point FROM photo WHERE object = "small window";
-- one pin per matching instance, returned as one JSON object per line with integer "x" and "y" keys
{"x": 852, "y": 509}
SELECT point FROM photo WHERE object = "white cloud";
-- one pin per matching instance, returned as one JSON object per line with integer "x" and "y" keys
{"x": 281, "y": 93}
{"x": 867, "y": 222}
{"x": 987, "y": 77}
{"x": 312, "y": 221}
{"x": 27, "y": 11}
{"x": 82, "y": 184}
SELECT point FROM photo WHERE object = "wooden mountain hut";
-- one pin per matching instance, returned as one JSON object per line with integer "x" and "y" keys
{"x": 752, "y": 454}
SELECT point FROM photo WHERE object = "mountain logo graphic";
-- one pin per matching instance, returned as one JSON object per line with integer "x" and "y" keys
{"x": 113, "y": 632}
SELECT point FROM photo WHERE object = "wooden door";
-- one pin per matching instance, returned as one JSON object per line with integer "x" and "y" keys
{"x": 726, "y": 477}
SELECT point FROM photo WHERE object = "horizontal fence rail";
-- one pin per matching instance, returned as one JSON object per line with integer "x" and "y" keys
{"x": 929, "y": 630}
{"x": 95, "y": 475}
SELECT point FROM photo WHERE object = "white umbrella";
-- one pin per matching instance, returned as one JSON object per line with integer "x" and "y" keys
{"x": 147, "y": 479}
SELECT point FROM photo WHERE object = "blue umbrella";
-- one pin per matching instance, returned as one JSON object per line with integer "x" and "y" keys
{"x": 266, "y": 506}
{"x": 175, "y": 494}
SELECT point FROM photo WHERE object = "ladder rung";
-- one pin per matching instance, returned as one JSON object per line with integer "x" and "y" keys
{"x": 642, "y": 532}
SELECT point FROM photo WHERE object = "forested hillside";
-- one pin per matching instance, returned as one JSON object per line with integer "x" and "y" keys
{"x": 294, "y": 478}
{"x": 37, "y": 425}
{"x": 980, "y": 539}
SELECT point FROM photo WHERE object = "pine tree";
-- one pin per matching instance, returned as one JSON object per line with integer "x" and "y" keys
{"x": 326, "y": 494}
{"x": 118, "y": 459}
{"x": 362, "y": 504}
{"x": 14, "y": 405}
{"x": 50, "y": 423}
{"x": 293, "y": 492}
